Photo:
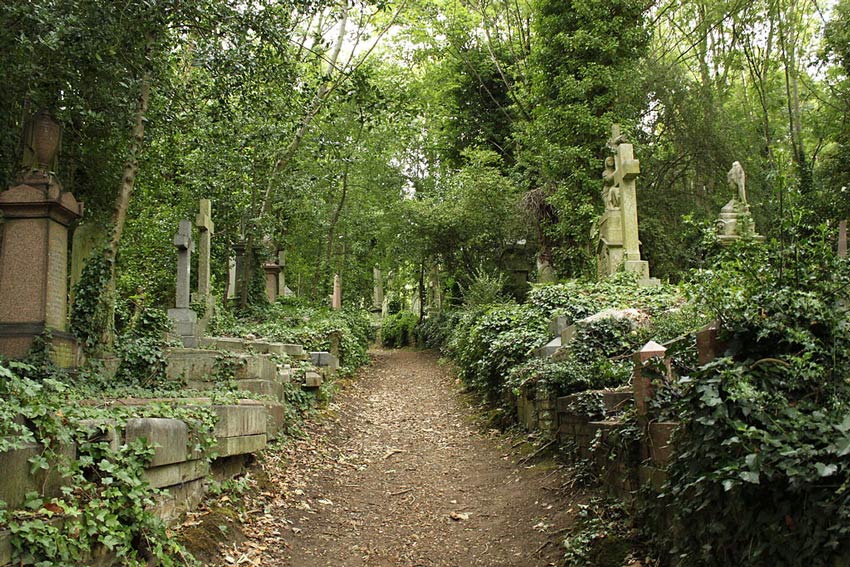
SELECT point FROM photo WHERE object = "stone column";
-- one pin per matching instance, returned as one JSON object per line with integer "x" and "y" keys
{"x": 378, "y": 289}
{"x": 34, "y": 265}
{"x": 842, "y": 239}
{"x": 183, "y": 318}
{"x": 239, "y": 269}
{"x": 336, "y": 301}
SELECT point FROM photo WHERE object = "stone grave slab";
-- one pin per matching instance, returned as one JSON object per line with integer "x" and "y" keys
{"x": 176, "y": 473}
{"x": 228, "y": 446}
{"x": 241, "y": 420}
{"x": 324, "y": 359}
{"x": 170, "y": 438}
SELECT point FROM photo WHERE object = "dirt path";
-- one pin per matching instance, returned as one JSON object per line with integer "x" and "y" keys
{"x": 398, "y": 474}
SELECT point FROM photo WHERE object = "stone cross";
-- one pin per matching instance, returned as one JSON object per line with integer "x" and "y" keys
{"x": 626, "y": 170}
{"x": 183, "y": 243}
{"x": 205, "y": 231}
{"x": 336, "y": 301}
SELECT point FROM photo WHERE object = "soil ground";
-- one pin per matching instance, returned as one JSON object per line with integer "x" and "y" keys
{"x": 399, "y": 471}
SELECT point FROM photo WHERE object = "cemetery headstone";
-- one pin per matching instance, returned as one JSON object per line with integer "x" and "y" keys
{"x": 378, "y": 289}
{"x": 184, "y": 319}
{"x": 281, "y": 280}
{"x": 231, "y": 277}
{"x": 88, "y": 239}
{"x": 272, "y": 271}
{"x": 336, "y": 299}
{"x": 619, "y": 244}
{"x": 240, "y": 270}
{"x": 34, "y": 250}
{"x": 206, "y": 227}
{"x": 735, "y": 220}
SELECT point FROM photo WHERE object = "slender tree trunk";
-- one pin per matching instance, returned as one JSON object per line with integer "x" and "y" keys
{"x": 122, "y": 204}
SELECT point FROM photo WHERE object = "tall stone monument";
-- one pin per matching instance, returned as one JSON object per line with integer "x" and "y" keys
{"x": 735, "y": 220}
{"x": 240, "y": 269}
{"x": 619, "y": 245}
{"x": 272, "y": 271}
{"x": 206, "y": 227}
{"x": 336, "y": 299}
{"x": 378, "y": 290}
{"x": 183, "y": 318}
{"x": 34, "y": 249}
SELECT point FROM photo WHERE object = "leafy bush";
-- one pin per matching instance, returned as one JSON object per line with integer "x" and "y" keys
{"x": 397, "y": 329}
{"x": 435, "y": 330}
{"x": 763, "y": 455}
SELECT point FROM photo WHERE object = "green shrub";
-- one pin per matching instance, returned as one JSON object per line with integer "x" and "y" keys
{"x": 435, "y": 330}
{"x": 762, "y": 466}
{"x": 397, "y": 329}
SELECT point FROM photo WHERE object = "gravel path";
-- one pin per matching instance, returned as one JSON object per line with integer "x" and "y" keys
{"x": 398, "y": 472}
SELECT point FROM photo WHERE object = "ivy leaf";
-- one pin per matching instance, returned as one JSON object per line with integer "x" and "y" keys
{"x": 751, "y": 477}
{"x": 826, "y": 470}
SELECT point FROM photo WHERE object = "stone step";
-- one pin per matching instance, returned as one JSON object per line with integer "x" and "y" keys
{"x": 169, "y": 437}
{"x": 312, "y": 379}
{"x": 273, "y": 389}
{"x": 228, "y": 446}
{"x": 241, "y": 420}
{"x": 176, "y": 473}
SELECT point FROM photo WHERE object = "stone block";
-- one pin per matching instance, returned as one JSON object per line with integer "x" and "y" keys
{"x": 275, "y": 418}
{"x": 312, "y": 379}
{"x": 5, "y": 548}
{"x": 567, "y": 334}
{"x": 242, "y": 445}
{"x": 233, "y": 344}
{"x": 549, "y": 349}
{"x": 235, "y": 421}
{"x": 170, "y": 438}
{"x": 179, "y": 499}
{"x": 557, "y": 325}
{"x": 263, "y": 387}
{"x": 255, "y": 367}
{"x": 176, "y": 473}
{"x": 284, "y": 375}
{"x": 324, "y": 360}
{"x": 295, "y": 351}
{"x": 190, "y": 364}
{"x": 261, "y": 347}
{"x": 16, "y": 480}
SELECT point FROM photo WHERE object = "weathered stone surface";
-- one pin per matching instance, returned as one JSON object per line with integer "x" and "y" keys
{"x": 255, "y": 367}
{"x": 16, "y": 480}
{"x": 232, "y": 344}
{"x": 660, "y": 444}
{"x": 283, "y": 348}
{"x": 235, "y": 421}
{"x": 275, "y": 418}
{"x": 549, "y": 348}
{"x": 170, "y": 438}
{"x": 5, "y": 548}
{"x": 179, "y": 499}
{"x": 192, "y": 364}
{"x": 324, "y": 359}
{"x": 176, "y": 473}
{"x": 557, "y": 325}
{"x": 261, "y": 347}
{"x": 263, "y": 387}
{"x": 227, "y": 446}
{"x": 224, "y": 468}
{"x": 312, "y": 379}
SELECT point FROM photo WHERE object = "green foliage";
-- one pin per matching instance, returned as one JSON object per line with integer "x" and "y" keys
{"x": 765, "y": 432}
{"x": 436, "y": 328}
{"x": 308, "y": 324}
{"x": 601, "y": 537}
{"x": 142, "y": 348}
{"x": 89, "y": 319}
{"x": 486, "y": 288}
{"x": 397, "y": 330}
{"x": 106, "y": 504}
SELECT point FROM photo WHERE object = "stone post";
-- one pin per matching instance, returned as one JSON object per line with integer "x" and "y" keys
{"x": 708, "y": 345}
{"x": 272, "y": 271}
{"x": 231, "y": 277}
{"x": 205, "y": 232}
{"x": 336, "y": 300}
{"x": 34, "y": 265}
{"x": 378, "y": 289}
{"x": 842, "y": 239}
{"x": 281, "y": 279}
{"x": 640, "y": 381}
{"x": 183, "y": 318}
{"x": 240, "y": 269}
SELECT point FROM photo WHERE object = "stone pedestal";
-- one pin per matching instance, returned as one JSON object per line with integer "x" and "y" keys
{"x": 735, "y": 222}
{"x": 34, "y": 266}
{"x": 184, "y": 323}
{"x": 272, "y": 274}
